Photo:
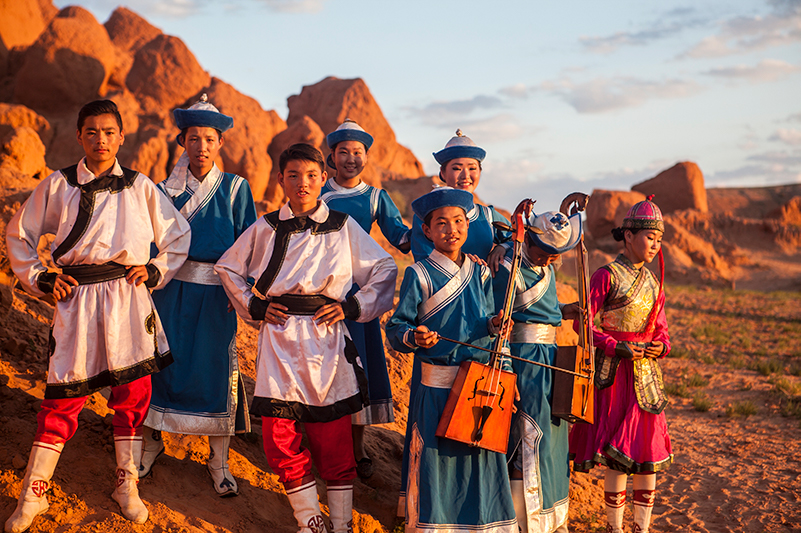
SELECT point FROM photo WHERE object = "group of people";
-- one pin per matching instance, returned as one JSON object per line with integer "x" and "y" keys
{"x": 150, "y": 274}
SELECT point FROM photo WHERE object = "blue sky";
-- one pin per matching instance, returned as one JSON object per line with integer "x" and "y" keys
{"x": 564, "y": 96}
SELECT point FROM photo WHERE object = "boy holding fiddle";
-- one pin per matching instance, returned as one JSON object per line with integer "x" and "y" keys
{"x": 449, "y": 482}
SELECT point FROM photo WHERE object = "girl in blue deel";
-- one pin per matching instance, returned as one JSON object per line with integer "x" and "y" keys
{"x": 345, "y": 192}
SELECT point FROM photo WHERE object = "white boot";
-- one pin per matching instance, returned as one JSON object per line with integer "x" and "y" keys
{"x": 33, "y": 501}
{"x": 615, "y": 499}
{"x": 519, "y": 501}
{"x": 644, "y": 496}
{"x": 340, "y": 506}
{"x": 129, "y": 450}
{"x": 153, "y": 448}
{"x": 643, "y": 507}
{"x": 224, "y": 482}
{"x": 306, "y": 508}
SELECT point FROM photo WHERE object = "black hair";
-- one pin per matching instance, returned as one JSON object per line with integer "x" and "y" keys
{"x": 97, "y": 108}
{"x": 620, "y": 233}
{"x": 301, "y": 152}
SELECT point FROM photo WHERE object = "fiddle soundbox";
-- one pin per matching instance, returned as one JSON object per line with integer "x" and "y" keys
{"x": 478, "y": 411}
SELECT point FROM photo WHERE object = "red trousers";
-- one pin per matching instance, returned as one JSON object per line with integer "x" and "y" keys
{"x": 330, "y": 443}
{"x": 58, "y": 419}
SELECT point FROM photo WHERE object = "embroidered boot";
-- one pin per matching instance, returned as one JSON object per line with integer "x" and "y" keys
{"x": 306, "y": 508}
{"x": 224, "y": 482}
{"x": 644, "y": 496}
{"x": 340, "y": 505}
{"x": 152, "y": 450}
{"x": 33, "y": 501}
{"x": 519, "y": 501}
{"x": 615, "y": 504}
{"x": 129, "y": 450}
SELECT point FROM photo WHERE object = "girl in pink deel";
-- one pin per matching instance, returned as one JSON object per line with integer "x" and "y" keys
{"x": 630, "y": 435}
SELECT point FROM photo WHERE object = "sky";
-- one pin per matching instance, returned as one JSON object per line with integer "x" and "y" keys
{"x": 564, "y": 96}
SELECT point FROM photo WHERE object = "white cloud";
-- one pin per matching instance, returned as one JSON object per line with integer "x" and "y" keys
{"x": 789, "y": 136}
{"x": 739, "y": 35}
{"x": 669, "y": 24}
{"x": 765, "y": 70}
{"x": 295, "y": 6}
{"x": 447, "y": 113}
{"x": 754, "y": 175}
{"x": 518, "y": 91}
{"x": 607, "y": 94}
{"x": 783, "y": 158}
{"x": 500, "y": 127}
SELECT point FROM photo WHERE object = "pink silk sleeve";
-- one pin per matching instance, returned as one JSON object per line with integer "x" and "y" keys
{"x": 600, "y": 285}
{"x": 661, "y": 327}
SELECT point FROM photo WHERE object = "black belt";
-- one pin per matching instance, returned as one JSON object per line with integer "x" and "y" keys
{"x": 302, "y": 304}
{"x": 88, "y": 274}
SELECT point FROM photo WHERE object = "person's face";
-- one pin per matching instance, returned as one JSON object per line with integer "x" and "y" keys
{"x": 202, "y": 146}
{"x": 538, "y": 256}
{"x": 448, "y": 229}
{"x": 350, "y": 157}
{"x": 101, "y": 139}
{"x": 302, "y": 181}
{"x": 644, "y": 245}
{"x": 461, "y": 173}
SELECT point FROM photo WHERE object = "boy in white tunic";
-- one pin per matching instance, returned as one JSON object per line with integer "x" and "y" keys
{"x": 305, "y": 259}
{"x": 106, "y": 331}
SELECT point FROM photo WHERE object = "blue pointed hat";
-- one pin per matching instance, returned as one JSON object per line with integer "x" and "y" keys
{"x": 554, "y": 232}
{"x": 442, "y": 197}
{"x": 460, "y": 146}
{"x": 349, "y": 131}
{"x": 202, "y": 113}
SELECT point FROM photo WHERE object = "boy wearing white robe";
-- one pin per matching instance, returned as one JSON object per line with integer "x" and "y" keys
{"x": 305, "y": 259}
{"x": 106, "y": 331}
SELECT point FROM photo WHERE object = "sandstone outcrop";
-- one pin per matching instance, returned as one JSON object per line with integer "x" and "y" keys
{"x": 21, "y": 23}
{"x": 69, "y": 64}
{"x": 128, "y": 31}
{"x": 606, "y": 210}
{"x": 165, "y": 74}
{"x": 23, "y": 149}
{"x": 679, "y": 187}
{"x": 13, "y": 116}
{"x": 789, "y": 213}
{"x": 332, "y": 100}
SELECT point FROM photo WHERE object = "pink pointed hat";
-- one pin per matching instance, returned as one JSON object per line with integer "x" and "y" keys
{"x": 644, "y": 215}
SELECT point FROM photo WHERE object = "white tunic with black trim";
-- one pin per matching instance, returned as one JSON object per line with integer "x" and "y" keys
{"x": 307, "y": 371}
{"x": 108, "y": 333}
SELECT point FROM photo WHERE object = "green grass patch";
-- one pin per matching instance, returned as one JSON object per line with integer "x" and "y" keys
{"x": 679, "y": 352}
{"x": 677, "y": 389}
{"x": 742, "y": 409}
{"x": 791, "y": 407}
{"x": 711, "y": 333}
{"x": 701, "y": 402}
{"x": 697, "y": 380}
{"x": 737, "y": 362}
{"x": 767, "y": 367}
{"x": 783, "y": 385}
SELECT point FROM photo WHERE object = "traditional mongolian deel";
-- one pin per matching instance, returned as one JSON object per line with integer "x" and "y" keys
{"x": 307, "y": 371}
{"x": 102, "y": 225}
{"x": 631, "y": 439}
{"x": 202, "y": 392}
{"x": 366, "y": 205}
{"x": 451, "y": 486}
{"x": 538, "y": 445}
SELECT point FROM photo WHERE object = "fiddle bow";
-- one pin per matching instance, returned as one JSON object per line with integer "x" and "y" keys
{"x": 479, "y": 408}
